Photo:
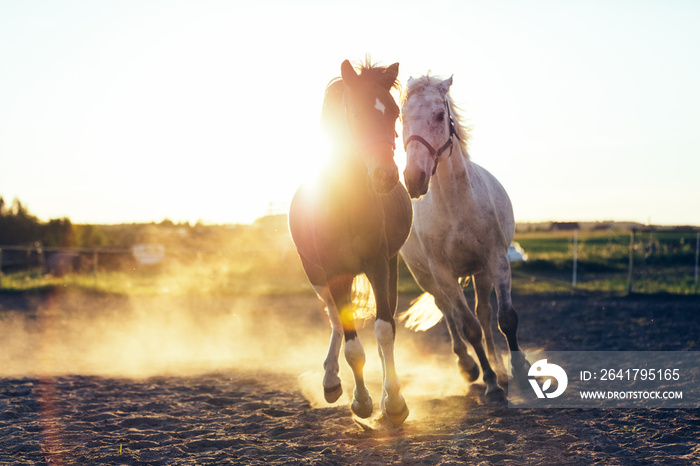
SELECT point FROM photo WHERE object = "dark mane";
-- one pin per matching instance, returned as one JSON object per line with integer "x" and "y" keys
{"x": 333, "y": 112}
{"x": 373, "y": 72}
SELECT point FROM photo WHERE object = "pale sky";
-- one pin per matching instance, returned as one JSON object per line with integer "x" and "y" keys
{"x": 137, "y": 111}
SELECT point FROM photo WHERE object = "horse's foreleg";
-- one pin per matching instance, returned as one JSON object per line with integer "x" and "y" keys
{"x": 332, "y": 389}
{"x": 341, "y": 290}
{"x": 384, "y": 280}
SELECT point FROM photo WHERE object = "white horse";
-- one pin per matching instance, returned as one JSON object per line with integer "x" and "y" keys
{"x": 463, "y": 224}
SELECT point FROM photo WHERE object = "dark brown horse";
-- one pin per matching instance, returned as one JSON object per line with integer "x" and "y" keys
{"x": 353, "y": 221}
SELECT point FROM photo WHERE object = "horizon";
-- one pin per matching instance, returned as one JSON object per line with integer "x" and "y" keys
{"x": 585, "y": 224}
{"x": 137, "y": 112}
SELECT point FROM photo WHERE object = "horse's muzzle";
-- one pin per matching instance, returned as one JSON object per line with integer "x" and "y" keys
{"x": 385, "y": 178}
{"x": 417, "y": 182}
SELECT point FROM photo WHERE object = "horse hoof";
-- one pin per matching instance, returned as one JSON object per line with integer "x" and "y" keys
{"x": 520, "y": 375}
{"x": 397, "y": 414}
{"x": 519, "y": 365}
{"x": 396, "y": 419}
{"x": 470, "y": 375}
{"x": 521, "y": 382}
{"x": 362, "y": 409}
{"x": 332, "y": 393}
{"x": 495, "y": 395}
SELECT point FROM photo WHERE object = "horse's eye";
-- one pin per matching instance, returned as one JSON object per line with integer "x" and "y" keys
{"x": 440, "y": 117}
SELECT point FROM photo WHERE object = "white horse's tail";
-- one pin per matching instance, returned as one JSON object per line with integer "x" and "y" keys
{"x": 363, "y": 303}
{"x": 422, "y": 315}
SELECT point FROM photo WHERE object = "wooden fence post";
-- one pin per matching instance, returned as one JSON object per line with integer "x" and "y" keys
{"x": 697, "y": 255}
{"x": 94, "y": 265}
{"x": 573, "y": 278}
{"x": 631, "y": 263}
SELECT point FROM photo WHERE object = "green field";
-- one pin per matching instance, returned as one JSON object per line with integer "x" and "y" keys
{"x": 662, "y": 261}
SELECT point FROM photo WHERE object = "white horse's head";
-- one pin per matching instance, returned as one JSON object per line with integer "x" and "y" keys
{"x": 428, "y": 130}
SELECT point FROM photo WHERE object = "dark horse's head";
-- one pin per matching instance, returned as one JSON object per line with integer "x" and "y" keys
{"x": 360, "y": 115}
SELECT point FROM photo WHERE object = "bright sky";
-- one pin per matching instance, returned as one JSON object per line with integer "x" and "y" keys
{"x": 141, "y": 110}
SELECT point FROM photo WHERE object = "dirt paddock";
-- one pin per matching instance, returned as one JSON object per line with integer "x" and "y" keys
{"x": 88, "y": 379}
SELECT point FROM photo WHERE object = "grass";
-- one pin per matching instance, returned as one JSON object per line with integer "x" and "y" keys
{"x": 663, "y": 262}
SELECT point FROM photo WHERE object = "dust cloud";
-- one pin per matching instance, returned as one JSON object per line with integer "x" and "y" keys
{"x": 71, "y": 333}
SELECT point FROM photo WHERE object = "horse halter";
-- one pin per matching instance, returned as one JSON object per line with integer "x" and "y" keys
{"x": 373, "y": 140}
{"x": 378, "y": 139}
{"x": 436, "y": 153}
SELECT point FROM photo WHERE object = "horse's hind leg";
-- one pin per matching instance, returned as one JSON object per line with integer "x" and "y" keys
{"x": 482, "y": 294}
{"x": 467, "y": 366}
{"x": 341, "y": 291}
{"x": 463, "y": 324}
{"x": 508, "y": 321}
{"x": 332, "y": 389}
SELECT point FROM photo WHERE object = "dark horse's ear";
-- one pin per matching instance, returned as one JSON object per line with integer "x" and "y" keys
{"x": 347, "y": 72}
{"x": 390, "y": 75}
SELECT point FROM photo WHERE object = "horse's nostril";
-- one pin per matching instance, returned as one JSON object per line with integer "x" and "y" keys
{"x": 379, "y": 175}
{"x": 385, "y": 179}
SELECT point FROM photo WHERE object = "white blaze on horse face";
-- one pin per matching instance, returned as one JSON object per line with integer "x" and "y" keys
{"x": 380, "y": 106}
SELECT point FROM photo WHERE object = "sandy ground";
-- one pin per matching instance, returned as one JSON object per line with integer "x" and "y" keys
{"x": 104, "y": 380}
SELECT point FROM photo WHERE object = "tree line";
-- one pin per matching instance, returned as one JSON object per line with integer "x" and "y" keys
{"x": 19, "y": 227}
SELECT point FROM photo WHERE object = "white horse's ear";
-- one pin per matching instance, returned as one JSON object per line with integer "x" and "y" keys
{"x": 445, "y": 85}
{"x": 410, "y": 81}
{"x": 347, "y": 72}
